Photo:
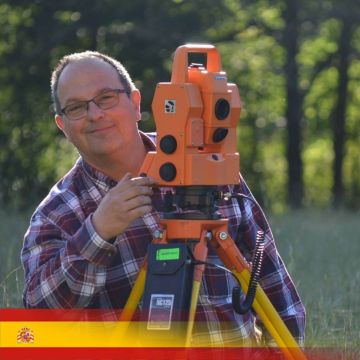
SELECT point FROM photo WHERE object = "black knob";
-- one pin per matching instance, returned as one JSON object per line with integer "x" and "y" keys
{"x": 168, "y": 144}
{"x": 222, "y": 109}
{"x": 219, "y": 134}
{"x": 167, "y": 171}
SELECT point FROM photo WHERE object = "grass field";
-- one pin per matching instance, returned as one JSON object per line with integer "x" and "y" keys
{"x": 321, "y": 250}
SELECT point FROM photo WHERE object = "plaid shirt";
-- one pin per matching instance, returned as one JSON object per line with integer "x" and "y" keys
{"x": 68, "y": 265}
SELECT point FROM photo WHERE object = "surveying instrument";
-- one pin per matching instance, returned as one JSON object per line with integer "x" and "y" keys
{"x": 196, "y": 116}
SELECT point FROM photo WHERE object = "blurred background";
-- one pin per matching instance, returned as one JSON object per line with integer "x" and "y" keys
{"x": 297, "y": 66}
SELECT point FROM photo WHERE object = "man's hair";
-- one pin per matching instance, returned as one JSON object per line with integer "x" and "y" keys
{"x": 124, "y": 76}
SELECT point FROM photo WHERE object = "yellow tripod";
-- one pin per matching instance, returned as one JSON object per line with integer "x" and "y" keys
{"x": 215, "y": 231}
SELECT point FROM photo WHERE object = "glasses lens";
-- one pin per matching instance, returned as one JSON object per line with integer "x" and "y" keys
{"x": 107, "y": 100}
{"x": 76, "y": 111}
{"x": 104, "y": 101}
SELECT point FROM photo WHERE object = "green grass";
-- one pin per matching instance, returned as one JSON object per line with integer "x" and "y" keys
{"x": 321, "y": 250}
{"x": 12, "y": 229}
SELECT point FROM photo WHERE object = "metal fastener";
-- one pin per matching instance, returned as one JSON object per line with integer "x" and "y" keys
{"x": 158, "y": 234}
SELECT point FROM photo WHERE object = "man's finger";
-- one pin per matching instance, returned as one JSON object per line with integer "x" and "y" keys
{"x": 147, "y": 181}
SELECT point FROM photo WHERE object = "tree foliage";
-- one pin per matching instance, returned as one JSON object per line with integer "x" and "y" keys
{"x": 315, "y": 90}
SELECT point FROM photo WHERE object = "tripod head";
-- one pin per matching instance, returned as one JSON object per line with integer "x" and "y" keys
{"x": 196, "y": 116}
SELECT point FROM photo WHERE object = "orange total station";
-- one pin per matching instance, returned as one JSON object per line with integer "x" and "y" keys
{"x": 196, "y": 116}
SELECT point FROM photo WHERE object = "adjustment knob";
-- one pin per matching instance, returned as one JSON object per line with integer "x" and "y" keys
{"x": 219, "y": 134}
{"x": 222, "y": 109}
{"x": 168, "y": 144}
{"x": 167, "y": 171}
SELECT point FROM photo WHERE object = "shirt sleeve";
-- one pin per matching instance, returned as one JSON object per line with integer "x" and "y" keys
{"x": 274, "y": 277}
{"x": 63, "y": 270}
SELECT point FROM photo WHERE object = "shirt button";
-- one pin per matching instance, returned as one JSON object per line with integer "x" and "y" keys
{"x": 109, "y": 254}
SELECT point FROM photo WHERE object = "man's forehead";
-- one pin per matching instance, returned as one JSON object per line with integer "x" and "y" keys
{"x": 85, "y": 77}
{"x": 86, "y": 66}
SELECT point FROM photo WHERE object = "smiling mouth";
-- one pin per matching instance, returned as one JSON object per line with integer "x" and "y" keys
{"x": 99, "y": 130}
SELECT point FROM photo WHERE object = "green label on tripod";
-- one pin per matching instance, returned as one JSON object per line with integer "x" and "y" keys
{"x": 168, "y": 254}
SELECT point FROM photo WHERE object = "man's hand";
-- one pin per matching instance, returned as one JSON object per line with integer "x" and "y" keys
{"x": 127, "y": 201}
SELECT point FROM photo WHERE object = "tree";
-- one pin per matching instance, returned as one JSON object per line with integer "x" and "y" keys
{"x": 340, "y": 110}
{"x": 348, "y": 15}
{"x": 294, "y": 104}
{"x": 34, "y": 36}
{"x": 287, "y": 57}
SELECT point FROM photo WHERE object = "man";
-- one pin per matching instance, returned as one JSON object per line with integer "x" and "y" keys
{"x": 88, "y": 237}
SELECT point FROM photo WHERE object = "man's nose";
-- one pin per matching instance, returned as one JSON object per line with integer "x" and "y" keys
{"x": 94, "y": 112}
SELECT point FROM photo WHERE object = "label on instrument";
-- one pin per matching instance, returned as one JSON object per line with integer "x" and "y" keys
{"x": 168, "y": 254}
{"x": 161, "y": 307}
{"x": 170, "y": 106}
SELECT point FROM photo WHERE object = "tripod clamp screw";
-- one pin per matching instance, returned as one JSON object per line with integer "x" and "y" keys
{"x": 158, "y": 234}
{"x": 223, "y": 235}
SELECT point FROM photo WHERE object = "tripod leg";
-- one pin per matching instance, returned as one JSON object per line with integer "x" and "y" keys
{"x": 135, "y": 296}
{"x": 200, "y": 254}
{"x": 271, "y": 319}
{"x": 138, "y": 289}
{"x": 233, "y": 259}
{"x": 132, "y": 302}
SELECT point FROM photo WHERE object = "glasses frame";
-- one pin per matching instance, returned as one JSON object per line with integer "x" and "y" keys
{"x": 87, "y": 102}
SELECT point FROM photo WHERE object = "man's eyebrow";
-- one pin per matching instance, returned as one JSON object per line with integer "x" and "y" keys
{"x": 76, "y": 99}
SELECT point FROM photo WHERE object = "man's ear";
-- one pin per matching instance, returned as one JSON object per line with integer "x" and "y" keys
{"x": 136, "y": 100}
{"x": 59, "y": 122}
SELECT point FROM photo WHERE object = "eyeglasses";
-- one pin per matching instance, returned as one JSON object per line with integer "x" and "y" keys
{"x": 106, "y": 100}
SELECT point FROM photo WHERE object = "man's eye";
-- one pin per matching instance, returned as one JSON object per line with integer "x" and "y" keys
{"x": 76, "y": 107}
{"x": 105, "y": 97}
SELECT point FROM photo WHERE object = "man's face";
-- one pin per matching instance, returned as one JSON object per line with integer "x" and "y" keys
{"x": 100, "y": 133}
